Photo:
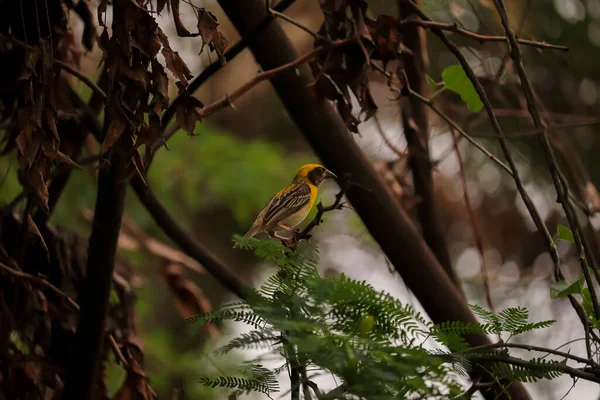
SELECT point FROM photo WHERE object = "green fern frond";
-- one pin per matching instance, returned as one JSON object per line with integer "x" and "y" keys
{"x": 533, "y": 371}
{"x": 257, "y": 379}
{"x": 533, "y": 326}
{"x": 248, "y": 317}
{"x": 452, "y": 340}
{"x": 463, "y": 328}
{"x": 246, "y": 243}
{"x": 305, "y": 255}
{"x": 488, "y": 317}
{"x": 239, "y": 384}
{"x": 251, "y": 340}
{"x": 513, "y": 318}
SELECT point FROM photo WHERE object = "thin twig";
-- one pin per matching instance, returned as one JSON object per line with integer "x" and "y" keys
{"x": 229, "y": 55}
{"x": 226, "y": 101}
{"x": 574, "y": 372}
{"x": 474, "y": 224}
{"x": 503, "y": 345}
{"x": 61, "y": 65}
{"x": 452, "y": 27}
{"x": 293, "y": 22}
{"x": 559, "y": 182}
{"x": 532, "y": 209}
{"x": 43, "y": 283}
{"x": 537, "y": 219}
{"x": 318, "y": 219}
{"x": 464, "y": 134}
{"x": 401, "y": 154}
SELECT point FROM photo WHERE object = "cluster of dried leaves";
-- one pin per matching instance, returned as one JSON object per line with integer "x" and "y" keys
{"x": 138, "y": 86}
{"x": 344, "y": 70}
{"x": 38, "y": 122}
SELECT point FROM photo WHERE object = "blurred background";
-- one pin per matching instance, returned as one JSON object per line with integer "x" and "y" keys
{"x": 216, "y": 182}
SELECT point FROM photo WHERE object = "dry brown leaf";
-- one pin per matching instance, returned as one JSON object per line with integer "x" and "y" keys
{"x": 188, "y": 297}
{"x": 29, "y": 143}
{"x": 160, "y": 4}
{"x": 593, "y": 198}
{"x": 219, "y": 44}
{"x": 386, "y": 35}
{"x": 137, "y": 73}
{"x": 186, "y": 112}
{"x": 61, "y": 157}
{"x": 175, "y": 63}
{"x": 32, "y": 57}
{"x": 102, "y": 10}
{"x": 207, "y": 27}
{"x": 34, "y": 179}
{"x": 51, "y": 122}
{"x": 115, "y": 130}
{"x": 160, "y": 84}
{"x": 181, "y": 30}
{"x": 362, "y": 30}
{"x": 33, "y": 229}
{"x": 136, "y": 167}
{"x": 136, "y": 386}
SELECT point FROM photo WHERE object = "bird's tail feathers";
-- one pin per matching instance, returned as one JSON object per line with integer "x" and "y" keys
{"x": 251, "y": 233}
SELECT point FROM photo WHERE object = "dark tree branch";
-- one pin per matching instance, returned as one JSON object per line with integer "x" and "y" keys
{"x": 416, "y": 130}
{"x": 167, "y": 223}
{"x": 103, "y": 242}
{"x": 184, "y": 240}
{"x": 110, "y": 204}
{"x": 476, "y": 36}
{"x": 387, "y": 222}
{"x": 217, "y": 65}
{"x": 227, "y": 100}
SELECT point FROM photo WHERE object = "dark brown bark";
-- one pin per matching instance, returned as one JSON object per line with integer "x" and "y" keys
{"x": 110, "y": 204}
{"x": 185, "y": 241}
{"x": 102, "y": 249}
{"x": 387, "y": 222}
{"x": 416, "y": 130}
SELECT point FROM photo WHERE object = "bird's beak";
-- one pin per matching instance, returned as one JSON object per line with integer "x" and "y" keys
{"x": 329, "y": 174}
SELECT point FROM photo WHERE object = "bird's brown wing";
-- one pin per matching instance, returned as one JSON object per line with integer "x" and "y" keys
{"x": 285, "y": 203}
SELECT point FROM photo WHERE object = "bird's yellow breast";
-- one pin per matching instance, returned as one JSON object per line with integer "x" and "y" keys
{"x": 296, "y": 218}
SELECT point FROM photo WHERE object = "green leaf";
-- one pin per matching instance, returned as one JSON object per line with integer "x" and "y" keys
{"x": 565, "y": 234}
{"x": 564, "y": 288}
{"x": 430, "y": 81}
{"x": 456, "y": 80}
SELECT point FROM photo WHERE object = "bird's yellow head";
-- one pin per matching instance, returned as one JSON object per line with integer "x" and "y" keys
{"x": 314, "y": 174}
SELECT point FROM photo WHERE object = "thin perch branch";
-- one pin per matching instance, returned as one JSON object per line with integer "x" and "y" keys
{"x": 474, "y": 224}
{"x": 476, "y": 36}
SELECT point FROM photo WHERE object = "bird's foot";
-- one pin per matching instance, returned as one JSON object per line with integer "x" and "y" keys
{"x": 288, "y": 241}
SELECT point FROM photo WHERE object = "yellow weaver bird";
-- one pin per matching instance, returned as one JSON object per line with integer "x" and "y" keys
{"x": 288, "y": 208}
